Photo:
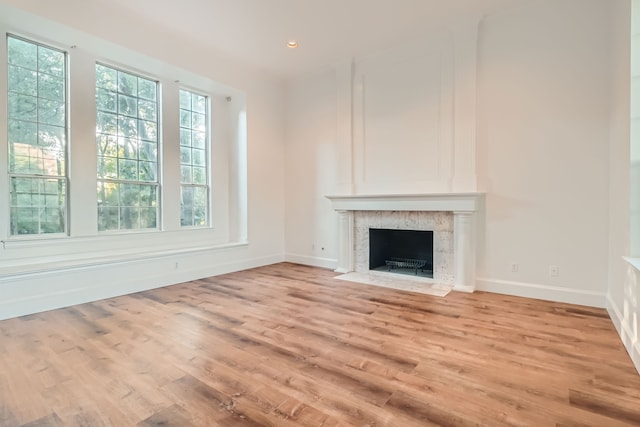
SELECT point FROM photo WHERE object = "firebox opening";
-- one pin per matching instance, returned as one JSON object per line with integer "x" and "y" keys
{"x": 401, "y": 251}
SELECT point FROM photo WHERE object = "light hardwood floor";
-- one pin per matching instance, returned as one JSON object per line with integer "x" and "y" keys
{"x": 288, "y": 345}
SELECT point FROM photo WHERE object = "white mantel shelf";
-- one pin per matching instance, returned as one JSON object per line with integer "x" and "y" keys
{"x": 454, "y": 202}
{"x": 463, "y": 205}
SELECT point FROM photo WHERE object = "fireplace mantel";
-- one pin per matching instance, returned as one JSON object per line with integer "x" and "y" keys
{"x": 450, "y": 202}
{"x": 464, "y": 207}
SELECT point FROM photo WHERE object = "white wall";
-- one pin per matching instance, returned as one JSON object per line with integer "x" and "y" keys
{"x": 635, "y": 130}
{"x": 45, "y": 274}
{"x": 623, "y": 298}
{"x": 543, "y": 126}
{"x": 540, "y": 146}
{"x": 312, "y": 159}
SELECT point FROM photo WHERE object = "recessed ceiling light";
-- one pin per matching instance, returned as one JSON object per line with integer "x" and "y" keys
{"x": 292, "y": 44}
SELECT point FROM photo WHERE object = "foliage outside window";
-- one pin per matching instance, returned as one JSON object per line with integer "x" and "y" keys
{"x": 127, "y": 150}
{"x": 37, "y": 134}
{"x": 194, "y": 188}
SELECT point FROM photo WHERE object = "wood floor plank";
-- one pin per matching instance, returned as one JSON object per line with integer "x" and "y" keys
{"x": 289, "y": 345}
{"x": 173, "y": 416}
{"x": 51, "y": 420}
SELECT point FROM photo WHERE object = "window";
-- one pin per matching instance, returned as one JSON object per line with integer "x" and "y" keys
{"x": 37, "y": 134}
{"x": 104, "y": 172}
{"x": 127, "y": 150}
{"x": 194, "y": 188}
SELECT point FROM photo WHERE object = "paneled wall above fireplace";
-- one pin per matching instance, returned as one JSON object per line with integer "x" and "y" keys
{"x": 407, "y": 116}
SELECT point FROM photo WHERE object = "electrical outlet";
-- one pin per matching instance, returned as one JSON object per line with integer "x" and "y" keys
{"x": 553, "y": 270}
{"x": 514, "y": 267}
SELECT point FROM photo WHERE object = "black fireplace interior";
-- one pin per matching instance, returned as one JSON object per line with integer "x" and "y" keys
{"x": 401, "y": 251}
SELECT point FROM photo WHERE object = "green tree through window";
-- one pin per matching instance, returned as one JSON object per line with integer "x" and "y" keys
{"x": 37, "y": 134}
{"x": 127, "y": 149}
{"x": 194, "y": 188}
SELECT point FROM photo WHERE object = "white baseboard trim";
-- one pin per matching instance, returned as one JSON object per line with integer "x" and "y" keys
{"x": 625, "y": 331}
{"x": 615, "y": 315}
{"x": 312, "y": 261}
{"x": 25, "y": 295}
{"x": 543, "y": 292}
{"x": 465, "y": 289}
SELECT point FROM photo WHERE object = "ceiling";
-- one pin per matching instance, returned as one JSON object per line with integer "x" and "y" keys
{"x": 256, "y": 31}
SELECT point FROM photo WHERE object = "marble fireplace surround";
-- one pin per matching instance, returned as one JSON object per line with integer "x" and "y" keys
{"x": 451, "y": 216}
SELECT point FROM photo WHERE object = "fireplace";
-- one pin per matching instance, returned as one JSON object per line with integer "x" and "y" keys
{"x": 407, "y": 252}
{"x": 451, "y": 217}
